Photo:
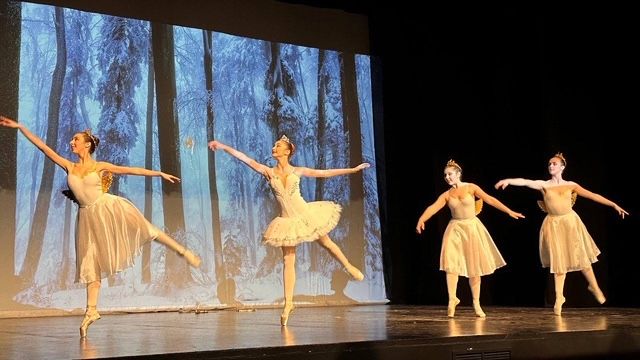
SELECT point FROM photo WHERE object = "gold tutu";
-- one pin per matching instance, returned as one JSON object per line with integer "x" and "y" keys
{"x": 565, "y": 244}
{"x": 468, "y": 249}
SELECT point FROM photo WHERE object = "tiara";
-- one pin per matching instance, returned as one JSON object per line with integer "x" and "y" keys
{"x": 561, "y": 157}
{"x": 452, "y": 163}
{"x": 285, "y": 139}
{"x": 93, "y": 138}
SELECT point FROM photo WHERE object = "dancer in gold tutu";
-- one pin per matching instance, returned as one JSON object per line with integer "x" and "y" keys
{"x": 110, "y": 230}
{"x": 467, "y": 248}
{"x": 565, "y": 243}
{"x": 299, "y": 220}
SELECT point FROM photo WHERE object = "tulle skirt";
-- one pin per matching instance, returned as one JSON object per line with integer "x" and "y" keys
{"x": 109, "y": 235}
{"x": 468, "y": 249}
{"x": 565, "y": 244}
{"x": 311, "y": 222}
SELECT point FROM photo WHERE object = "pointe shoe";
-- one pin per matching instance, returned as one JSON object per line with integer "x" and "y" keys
{"x": 90, "y": 316}
{"x": 284, "y": 317}
{"x": 598, "y": 294}
{"x": 192, "y": 259}
{"x": 355, "y": 273}
{"x": 451, "y": 308}
{"x": 478, "y": 309}
{"x": 557, "y": 308}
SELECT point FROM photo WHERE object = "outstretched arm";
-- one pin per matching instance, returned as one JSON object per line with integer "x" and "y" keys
{"x": 217, "y": 145}
{"x": 534, "y": 184}
{"x": 130, "y": 170}
{"x": 429, "y": 211}
{"x": 495, "y": 202}
{"x": 330, "y": 172}
{"x": 49, "y": 152}
{"x": 599, "y": 199}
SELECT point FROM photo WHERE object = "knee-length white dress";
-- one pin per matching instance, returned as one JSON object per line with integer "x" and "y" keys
{"x": 110, "y": 230}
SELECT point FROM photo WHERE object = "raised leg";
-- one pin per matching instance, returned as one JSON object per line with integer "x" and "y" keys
{"x": 593, "y": 284}
{"x": 335, "y": 251}
{"x": 192, "y": 259}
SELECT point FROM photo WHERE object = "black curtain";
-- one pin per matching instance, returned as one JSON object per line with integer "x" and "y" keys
{"x": 501, "y": 90}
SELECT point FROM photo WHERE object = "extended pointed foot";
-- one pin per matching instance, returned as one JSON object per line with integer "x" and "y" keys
{"x": 598, "y": 294}
{"x": 193, "y": 259}
{"x": 355, "y": 273}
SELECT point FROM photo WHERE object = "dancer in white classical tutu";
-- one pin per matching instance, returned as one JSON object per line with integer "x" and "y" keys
{"x": 299, "y": 220}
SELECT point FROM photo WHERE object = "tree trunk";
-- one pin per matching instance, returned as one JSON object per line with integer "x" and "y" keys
{"x": 10, "y": 35}
{"x": 251, "y": 226}
{"x": 351, "y": 116}
{"x": 38, "y": 226}
{"x": 148, "y": 163}
{"x": 178, "y": 274}
{"x": 218, "y": 256}
{"x": 322, "y": 131}
{"x": 282, "y": 87}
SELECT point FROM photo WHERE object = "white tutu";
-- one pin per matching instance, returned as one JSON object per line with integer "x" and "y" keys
{"x": 299, "y": 220}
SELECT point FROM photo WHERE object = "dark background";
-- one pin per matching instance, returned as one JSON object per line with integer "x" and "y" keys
{"x": 498, "y": 88}
{"x": 501, "y": 90}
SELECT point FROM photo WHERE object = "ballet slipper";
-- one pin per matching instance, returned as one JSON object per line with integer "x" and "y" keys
{"x": 355, "y": 273}
{"x": 598, "y": 294}
{"x": 478, "y": 309}
{"x": 192, "y": 259}
{"x": 557, "y": 308}
{"x": 284, "y": 317}
{"x": 90, "y": 316}
{"x": 451, "y": 308}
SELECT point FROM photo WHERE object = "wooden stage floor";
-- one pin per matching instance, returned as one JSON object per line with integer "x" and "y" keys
{"x": 349, "y": 332}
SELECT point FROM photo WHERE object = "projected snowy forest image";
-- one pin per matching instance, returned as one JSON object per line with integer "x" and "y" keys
{"x": 155, "y": 94}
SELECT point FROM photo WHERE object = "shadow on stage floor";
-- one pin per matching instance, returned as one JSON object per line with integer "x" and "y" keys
{"x": 349, "y": 332}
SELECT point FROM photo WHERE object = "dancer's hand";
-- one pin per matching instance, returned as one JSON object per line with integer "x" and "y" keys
{"x": 170, "y": 178}
{"x": 502, "y": 184}
{"x": 216, "y": 145}
{"x": 622, "y": 212}
{"x": 361, "y": 167}
{"x": 6, "y": 122}
{"x": 420, "y": 226}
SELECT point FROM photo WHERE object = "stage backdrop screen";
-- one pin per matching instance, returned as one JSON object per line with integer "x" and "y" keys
{"x": 155, "y": 94}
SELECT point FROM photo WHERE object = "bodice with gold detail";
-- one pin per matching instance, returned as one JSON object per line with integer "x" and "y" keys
{"x": 462, "y": 204}
{"x": 558, "y": 200}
